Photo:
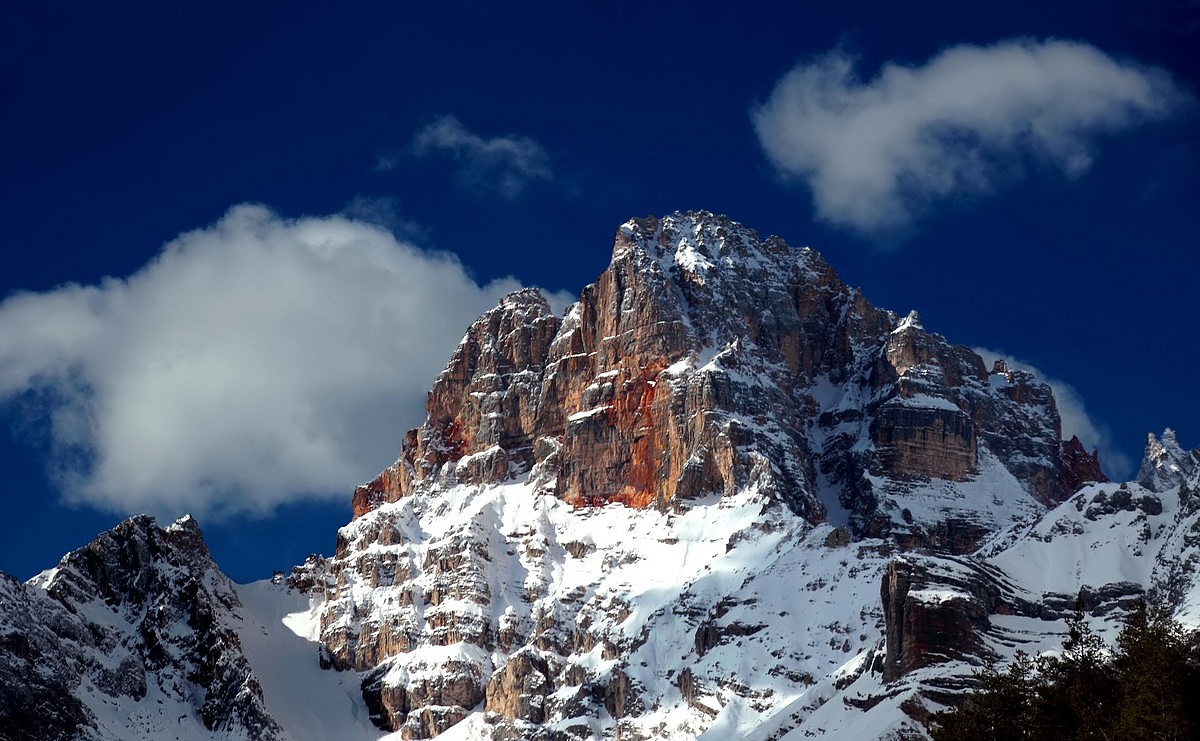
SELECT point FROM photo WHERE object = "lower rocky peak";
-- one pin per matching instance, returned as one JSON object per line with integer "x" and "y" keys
{"x": 1079, "y": 467}
{"x": 1165, "y": 464}
{"x": 138, "y": 624}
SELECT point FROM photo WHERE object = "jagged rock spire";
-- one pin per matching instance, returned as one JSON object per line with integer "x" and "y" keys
{"x": 1165, "y": 464}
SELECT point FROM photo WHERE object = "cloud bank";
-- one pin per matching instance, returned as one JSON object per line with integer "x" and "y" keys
{"x": 251, "y": 362}
{"x": 876, "y": 154}
{"x": 1075, "y": 419}
{"x": 503, "y": 164}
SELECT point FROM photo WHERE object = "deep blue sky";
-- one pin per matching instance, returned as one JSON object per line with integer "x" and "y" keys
{"x": 128, "y": 124}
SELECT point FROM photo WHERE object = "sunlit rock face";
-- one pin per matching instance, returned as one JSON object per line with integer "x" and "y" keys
{"x": 1079, "y": 467}
{"x": 705, "y": 358}
{"x": 707, "y": 375}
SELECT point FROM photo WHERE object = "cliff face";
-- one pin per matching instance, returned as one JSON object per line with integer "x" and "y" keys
{"x": 705, "y": 370}
{"x": 705, "y": 359}
{"x": 482, "y": 413}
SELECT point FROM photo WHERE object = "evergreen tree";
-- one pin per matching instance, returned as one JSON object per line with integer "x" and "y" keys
{"x": 1076, "y": 692}
{"x": 999, "y": 710}
{"x": 1146, "y": 689}
{"x": 1156, "y": 666}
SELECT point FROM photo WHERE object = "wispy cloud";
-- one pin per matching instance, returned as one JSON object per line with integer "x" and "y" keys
{"x": 252, "y": 362}
{"x": 503, "y": 164}
{"x": 1075, "y": 418}
{"x": 876, "y": 154}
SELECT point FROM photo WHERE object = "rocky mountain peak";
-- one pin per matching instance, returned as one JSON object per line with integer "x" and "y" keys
{"x": 131, "y": 563}
{"x": 1165, "y": 464}
{"x": 706, "y": 358}
{"x": 723, "y": 282}
{"x": 140, "y": 620}
{"x": 913, "y": 319}
{"x": 706, "y": 369}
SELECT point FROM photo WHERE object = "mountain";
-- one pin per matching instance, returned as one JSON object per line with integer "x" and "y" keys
{"x": 139, "y": 635}
{"x": 129, "y": 627}
{"x": 722, "y": 496}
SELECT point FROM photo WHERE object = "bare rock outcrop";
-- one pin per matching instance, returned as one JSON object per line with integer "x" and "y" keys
{"x": 1079, "y": 467}
{"x": 935, "y": 615}
{"x": 518, "y": 691}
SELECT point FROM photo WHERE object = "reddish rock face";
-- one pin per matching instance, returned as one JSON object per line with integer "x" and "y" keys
{"x": 926, "y": 626}
{"x": 386, "y": 487}
{"x": 923, "y": 630}
{"x": 701, "y": 361}
{"x": 1079, "y": 467}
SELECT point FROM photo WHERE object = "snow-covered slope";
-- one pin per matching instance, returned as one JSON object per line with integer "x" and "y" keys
{"x": 657, "y": 622}
{"x": 276, "y": 627}
{"x": 722, "y": 617}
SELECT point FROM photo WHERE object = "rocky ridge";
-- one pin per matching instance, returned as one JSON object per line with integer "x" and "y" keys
{"x": 129, "y": 635}
{"x": 704, "y": 357}
{"x": 1104, "y": 551}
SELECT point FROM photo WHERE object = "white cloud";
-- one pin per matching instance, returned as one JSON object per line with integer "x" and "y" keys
{"x": 875, "y": 154}
{"x": 251, "y": 362}
{"x": 1075, "y": 419}
{"x": 505, "y": 164}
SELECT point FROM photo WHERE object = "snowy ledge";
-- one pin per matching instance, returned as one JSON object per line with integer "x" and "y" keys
{"x": 589, "y": 413}
{"x": 938, "y": 596}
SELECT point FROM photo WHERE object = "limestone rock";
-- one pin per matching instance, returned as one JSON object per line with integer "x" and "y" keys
{"x": 422, "y": 705}
{"x": 518, "y": 690}
{"x": 483, "y": 407}
{"x": 701, "y": 362}
{"x": 932, "y": 619}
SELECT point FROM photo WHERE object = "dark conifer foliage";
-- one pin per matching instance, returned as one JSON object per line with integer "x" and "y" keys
{"x": 1145, "y": 688}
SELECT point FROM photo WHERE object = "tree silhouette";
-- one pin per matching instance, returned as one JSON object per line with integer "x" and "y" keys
{"x": 1147, "y": 687}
